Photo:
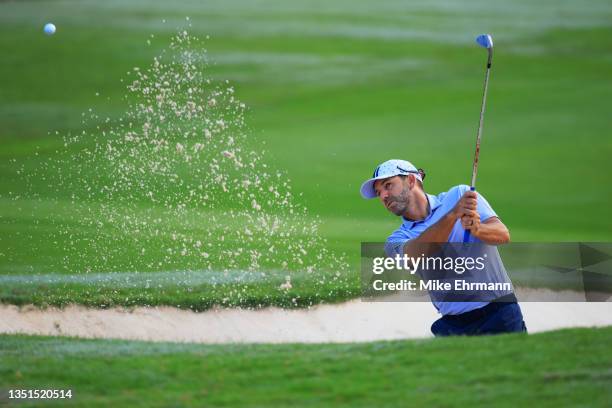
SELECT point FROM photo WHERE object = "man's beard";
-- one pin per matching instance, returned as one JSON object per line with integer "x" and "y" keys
{"x": 397, "y": 205}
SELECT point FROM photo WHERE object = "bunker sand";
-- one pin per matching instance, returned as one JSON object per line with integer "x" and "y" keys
{"x": 353, "y": 321}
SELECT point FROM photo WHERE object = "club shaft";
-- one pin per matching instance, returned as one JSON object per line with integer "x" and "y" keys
{"x": 466, "y": 234}
{"x": 480, "y": 122}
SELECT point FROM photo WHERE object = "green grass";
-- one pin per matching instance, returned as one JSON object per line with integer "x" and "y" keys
{"x": 198, "y": 290}
{"x": 333, "y": 88}
{"x": 564, "y": 368}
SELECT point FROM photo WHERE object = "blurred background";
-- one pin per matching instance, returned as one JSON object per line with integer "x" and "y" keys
{"x": 336, "y": 87}
{"x": 332, "y": 88}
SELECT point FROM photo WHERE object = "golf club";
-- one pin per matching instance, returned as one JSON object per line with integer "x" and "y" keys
{"x": 485, "y": 41}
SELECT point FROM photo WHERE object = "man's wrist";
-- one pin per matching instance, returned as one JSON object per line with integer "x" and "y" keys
{"x": 475, "y": 233}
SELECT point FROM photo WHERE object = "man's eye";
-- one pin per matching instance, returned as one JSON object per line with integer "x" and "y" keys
{"x": 388, "y": 186}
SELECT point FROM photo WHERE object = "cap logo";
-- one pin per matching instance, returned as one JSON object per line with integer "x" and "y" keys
{"x": 400, "y": 169}
{"x": 376, "y": 172}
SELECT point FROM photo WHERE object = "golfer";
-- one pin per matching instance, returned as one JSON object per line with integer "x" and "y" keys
{"x": 428, "y": 218}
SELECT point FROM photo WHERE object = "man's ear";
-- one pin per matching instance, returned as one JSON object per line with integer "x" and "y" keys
{"x": 411, "y": 180}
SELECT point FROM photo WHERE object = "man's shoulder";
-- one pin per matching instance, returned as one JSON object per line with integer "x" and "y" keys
{"x": 453, "y": 194}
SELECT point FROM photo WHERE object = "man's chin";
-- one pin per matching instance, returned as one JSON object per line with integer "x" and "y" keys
{"x": 395, "y": 211}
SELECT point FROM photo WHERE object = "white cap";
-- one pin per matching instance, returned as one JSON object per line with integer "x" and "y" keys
{"x": 388, "y": 169}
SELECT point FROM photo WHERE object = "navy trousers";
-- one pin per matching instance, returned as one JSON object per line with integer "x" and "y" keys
{"x": 494, "y": 318}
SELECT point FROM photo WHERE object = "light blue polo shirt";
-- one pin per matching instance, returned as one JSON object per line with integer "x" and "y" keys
{"x": 440, "y": 205}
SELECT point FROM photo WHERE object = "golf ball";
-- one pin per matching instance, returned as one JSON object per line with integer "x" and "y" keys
{"x": 49, "y": 28}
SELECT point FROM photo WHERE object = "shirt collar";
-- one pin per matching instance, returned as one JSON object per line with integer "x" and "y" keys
{"x": 434, "y": 203}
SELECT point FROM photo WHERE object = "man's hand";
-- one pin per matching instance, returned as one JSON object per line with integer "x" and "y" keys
{"x": 492, "y": 231}
{"x": 428, "y": 242}
{"x": 472, "y": 223}
{"x": 466, "y": 210}
{"x": 466, "y": 206}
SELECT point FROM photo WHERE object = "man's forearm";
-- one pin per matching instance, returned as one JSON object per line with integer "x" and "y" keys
{"x": 493, "y": 232}
{"x": 437, "y": 233}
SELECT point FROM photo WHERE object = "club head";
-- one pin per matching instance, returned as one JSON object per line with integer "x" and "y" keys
{"x": 485, "y": 41}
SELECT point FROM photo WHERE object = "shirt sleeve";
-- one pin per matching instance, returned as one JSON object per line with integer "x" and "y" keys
{"x": 484, "y": 208}
{"x": 395, "y": 243}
